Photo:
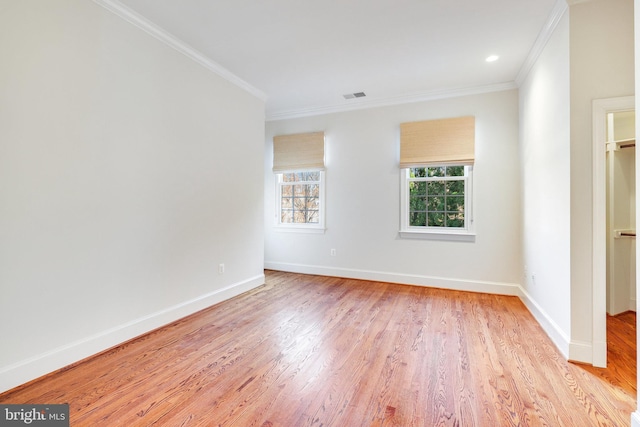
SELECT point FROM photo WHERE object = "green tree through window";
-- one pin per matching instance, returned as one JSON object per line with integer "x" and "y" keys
{"x": 437, "y": 196}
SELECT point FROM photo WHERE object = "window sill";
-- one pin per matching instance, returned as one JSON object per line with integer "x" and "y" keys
{"x": 452, "y": 236}
{"x": 308, "y": 230}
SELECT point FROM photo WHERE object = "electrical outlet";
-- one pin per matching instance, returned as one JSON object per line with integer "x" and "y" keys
{"x": 221, "y": 269}
{"x": 333, "y": 252}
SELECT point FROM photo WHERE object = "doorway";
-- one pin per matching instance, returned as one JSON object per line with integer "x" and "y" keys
{"x": 613, "y": 237}
{"x": 621, "y": 212}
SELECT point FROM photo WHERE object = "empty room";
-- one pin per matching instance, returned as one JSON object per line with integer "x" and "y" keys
{"x": 348, "y": 213}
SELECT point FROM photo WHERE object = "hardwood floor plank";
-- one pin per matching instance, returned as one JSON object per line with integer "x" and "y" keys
{"x": 322, "y": 351}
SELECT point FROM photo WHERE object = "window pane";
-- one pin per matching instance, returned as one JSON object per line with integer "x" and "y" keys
{"x": 287, "y": 216}
{"x": 299, "y": 203}
{"x": 313, "y": 217}
{"x": 288, "y": 177}
{"x": 455, "y": 187}
{"x": 436, "y": 203}
{"x": 418, "y": 172}
{"x": 455, "y": 220}
{"x": 417, "y": 203}
{"x": 313, "y": 176}
{"x": 418, "y": 219}
{"x": 287, "y": 190}
{"x": 455, "y": 170}
{"x": 435, "y": 219}
{"x": 299, "y": 190}
{"x": 418, "y": 188}
{"x": 312, "y": 203}
{"x": 436, "y": 171}
{"x": 299, "y": 217}
{"x": 455, "y": 203}
{"x": 286, "y": 203}
{"x": 435, "y": 188}
{"x": 313, "y": 190}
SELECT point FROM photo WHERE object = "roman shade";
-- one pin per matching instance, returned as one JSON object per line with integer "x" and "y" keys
{"x": 437, "y": 142}
{"x": 298, "y": 152}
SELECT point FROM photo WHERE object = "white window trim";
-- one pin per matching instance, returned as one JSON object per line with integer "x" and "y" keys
{"x": 318, "y": 228}
{"x": 466, "y": 234}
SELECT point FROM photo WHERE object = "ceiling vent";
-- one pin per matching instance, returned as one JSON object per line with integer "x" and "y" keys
{"x": 354, "y": 95}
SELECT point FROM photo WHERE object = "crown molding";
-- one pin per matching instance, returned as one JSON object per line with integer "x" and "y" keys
{"x": 167, "y": 38}
{"x": 543, "y": 37}
{"x": 361, "y": 104}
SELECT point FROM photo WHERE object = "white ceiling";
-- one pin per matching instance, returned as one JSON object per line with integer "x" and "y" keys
{"x": 304, "y": 55}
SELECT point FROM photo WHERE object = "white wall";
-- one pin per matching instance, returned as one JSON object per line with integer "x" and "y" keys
{"x": 635, "y": 417}
{"x": 589, "y": 56}
{"x": 119, "y": 185}
{"x": 602, "y": 66}
{"x": 362, "y": 199}
{"x": 545, "y": 164}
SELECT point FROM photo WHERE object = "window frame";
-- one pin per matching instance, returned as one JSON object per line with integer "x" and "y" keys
{"x": 318, "y": 227}
{"x": 466, "y": 233}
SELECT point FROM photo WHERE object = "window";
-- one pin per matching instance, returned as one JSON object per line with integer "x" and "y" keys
{"x": 298, "y": 162}
{"x": 436, "y": 199}
{"x": 301, "y": 199}
{"x": 436, "y": 164}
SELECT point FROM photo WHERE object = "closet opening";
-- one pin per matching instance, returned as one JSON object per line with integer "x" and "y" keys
{"x": 621, "y": 212}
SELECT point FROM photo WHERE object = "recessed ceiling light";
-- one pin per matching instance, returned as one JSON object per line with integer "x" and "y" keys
{"x": 492, "y": 58}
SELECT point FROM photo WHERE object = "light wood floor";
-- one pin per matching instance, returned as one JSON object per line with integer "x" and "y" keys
{"x": 621, "y": 354}
{"x": 318, "y": 351}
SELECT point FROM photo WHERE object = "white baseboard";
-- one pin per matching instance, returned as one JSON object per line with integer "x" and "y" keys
{"x": 635, "y": 419}
{"x": 599, "y": 351}
{"x": 404, "y": 279}
{"x": 558, "y": 337}
{"x": 19, "y": 373}
{"x": 581, "y": 351}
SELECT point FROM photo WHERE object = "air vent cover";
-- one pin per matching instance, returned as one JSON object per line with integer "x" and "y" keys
{"x": 354, "y": 95}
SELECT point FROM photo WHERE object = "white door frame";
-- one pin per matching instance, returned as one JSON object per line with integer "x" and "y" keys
{"x": 599, "y": 243}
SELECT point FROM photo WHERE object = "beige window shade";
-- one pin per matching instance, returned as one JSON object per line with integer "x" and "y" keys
{"x": 444, "y": 141}
{"x": 298, "y": 152}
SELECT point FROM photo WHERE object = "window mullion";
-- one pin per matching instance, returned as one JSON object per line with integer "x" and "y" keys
{"x": 300, "y": 212}
{"x": 441, "y": 208}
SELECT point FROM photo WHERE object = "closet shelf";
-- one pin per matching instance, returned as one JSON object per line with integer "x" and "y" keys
{"x": 624, "y": 233}
{"x": 621, "y": 143}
